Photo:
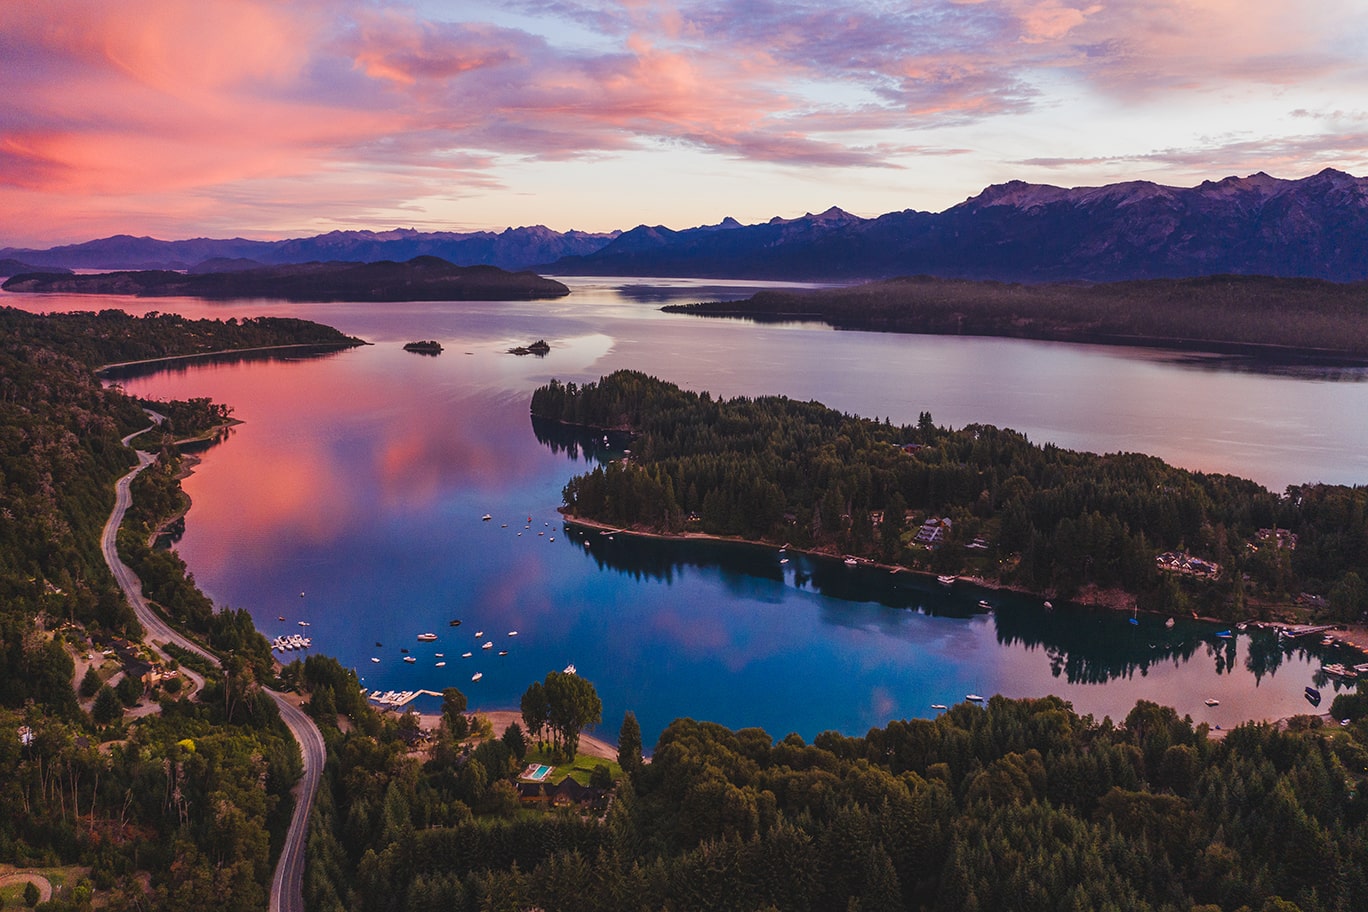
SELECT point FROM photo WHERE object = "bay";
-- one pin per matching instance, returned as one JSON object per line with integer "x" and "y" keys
{"x": 352, "y": 498}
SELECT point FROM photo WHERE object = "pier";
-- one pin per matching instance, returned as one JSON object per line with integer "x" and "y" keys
{"x": 398, "y": 698}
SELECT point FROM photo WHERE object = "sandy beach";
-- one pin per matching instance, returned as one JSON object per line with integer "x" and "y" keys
{"x": 500, "y": 719}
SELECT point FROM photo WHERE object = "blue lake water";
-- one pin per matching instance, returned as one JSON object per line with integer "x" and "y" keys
{"x": 352, "y": 497}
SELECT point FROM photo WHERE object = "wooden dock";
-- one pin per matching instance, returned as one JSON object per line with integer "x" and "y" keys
{"x": 398, "y": 699}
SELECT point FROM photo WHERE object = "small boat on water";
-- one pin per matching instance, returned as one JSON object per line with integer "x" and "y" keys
{"x": 280, "y": 617}
{"x": 303, "y": 623}
{"x": 938, "y": 706}
{"x": 973, "y": 698}
{"x": 478, "y": 634}
{"x": 486, "y": 518}
{"x": 477, "y": 675}
{"x": 1313, "y": 696}
{"x": 1048, "y": 606}
{"x": 466, "y": 655}
{"x": 378, "y": 644}
{"x": 488, "y": 644}
{"x": 984, "y": 604}
{"x": 404, "y": 650}
{"x": 426, "y": 637}
{"x": 1212, "y": 701}
{"x": 375, "y": 660}
{"x": 783, "y": 560}
{"x": 850, "y": 562}
{"x": 440, "y": 655}
{"x": 1224, "y": 634}
{"x": 410, "y": 659}
{"x": 569, "y": 669}
{"x": 1169, "y": 623}
{"x": 512, "y": 633}
{"x": 454, "y": 622}
{"x": 503, "y": 652}
{"x": 441, "y": 664}
{"x": 946, "y": 580}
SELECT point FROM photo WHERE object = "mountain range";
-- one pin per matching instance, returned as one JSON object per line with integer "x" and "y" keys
{"x": 1314, "y": 227}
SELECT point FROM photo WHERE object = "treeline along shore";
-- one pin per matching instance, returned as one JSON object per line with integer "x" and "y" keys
{"x": 979, "y": 500}
{"x": 1235, "y": 314}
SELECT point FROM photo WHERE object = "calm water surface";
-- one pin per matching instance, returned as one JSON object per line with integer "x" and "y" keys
{"x": 352, "y": 495}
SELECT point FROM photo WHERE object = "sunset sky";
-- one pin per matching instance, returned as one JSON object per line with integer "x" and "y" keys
{"x": 264, "y": 119}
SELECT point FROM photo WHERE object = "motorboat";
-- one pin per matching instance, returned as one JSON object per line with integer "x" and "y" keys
{"x": 503, "y": 652}
{"x": 568, "y": 669}
{"x": 1212, "y": 701}
{"x": 850, "y": 562}
{"x": 946, "y": 580}
{"x": 512, "y": 633}
{"x": 410, "y": 659}
{"x": 478, "y": 634}
{"x": 441, "y": 664}
{"x": 486, "y": 518}
{"x": 983, "y": 603}
{"x": 488, "y": 644}
{"x": 973, "y": 698}
{"x": 939, "y": 706}
{"x": 375, "y": 660}
{"x": 477, "y": 675}
{"x": 454, "y": 622}
{"x": 426, "y": 637}
{"x": 466, "y": 655}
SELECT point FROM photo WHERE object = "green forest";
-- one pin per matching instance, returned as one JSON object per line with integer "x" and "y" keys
{"x": 166, "y": 802}
{"x": 1013, "y": 805}
{"x": 1040, "y": 518}
{"x": 1236, "y": 313}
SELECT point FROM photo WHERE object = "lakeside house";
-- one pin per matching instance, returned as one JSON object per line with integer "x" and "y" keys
{"x": 933, "y": 532}
{"x": 1278, "y": 538}
{"x": 1182, "y": 562}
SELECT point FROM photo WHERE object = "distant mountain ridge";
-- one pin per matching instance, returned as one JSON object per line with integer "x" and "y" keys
{"x": 512, "y": 249}
{"x": 1313, "y": 227}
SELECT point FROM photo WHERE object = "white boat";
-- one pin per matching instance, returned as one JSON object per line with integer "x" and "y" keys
{"x": 441, "y": 664}
{"x": 477, "y": 675}
{"x": 440, "y": 655}
{"x": 486, "y": 518}
{"x": 466, "y": 655}
{"x": 478, "y": 634}
{"x": 983, "y": 603}
{"x": 1049, "y": 606}
{"x": 303, "y": 623}
{"x": 783, "y": 560}
{"x": 410, "y": 659}
{"x": 1169, "y": 623}
{"x": 503, "y": 652}
{"x": 973, "y": 698}
{"x": 488, "y": 644}
{"x": 426, "y": 637}
{"x": 569, "y": 669}
{"x": 1212, "y": 701}
{"x": 939, "y": 706}
{"x": 375, "y": 660}
{"x": 850, "y": 562}
{"x": 946, "y": 580}
{"x": 512, "y": 633}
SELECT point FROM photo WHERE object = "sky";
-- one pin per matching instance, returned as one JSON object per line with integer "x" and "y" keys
{"x": 223, "y": 118}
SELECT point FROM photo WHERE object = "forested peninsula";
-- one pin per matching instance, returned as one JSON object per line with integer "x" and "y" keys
{"x": 134, "y": 784}
{"x": 424, "y": 278}
{"x": 978, "y": 501}
{"x": 1254, "y": 315}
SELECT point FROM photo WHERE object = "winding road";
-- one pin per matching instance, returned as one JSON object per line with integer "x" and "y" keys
{"x": 287, "y": 884}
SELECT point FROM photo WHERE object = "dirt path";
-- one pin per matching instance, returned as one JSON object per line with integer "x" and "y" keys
{"x": 38, "y": 880}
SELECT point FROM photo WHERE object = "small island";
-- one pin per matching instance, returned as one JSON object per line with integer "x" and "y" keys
{"x": 538, "y": 348}
{"x": 424, "y": 278}
{"x": 425, "y": 347}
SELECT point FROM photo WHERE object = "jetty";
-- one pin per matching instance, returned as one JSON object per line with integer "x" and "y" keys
{"x": 398, "y": 698}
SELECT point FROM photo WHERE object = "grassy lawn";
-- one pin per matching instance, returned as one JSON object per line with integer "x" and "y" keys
{"x": 60, "y": 878}
{"x": 580, "y": 769}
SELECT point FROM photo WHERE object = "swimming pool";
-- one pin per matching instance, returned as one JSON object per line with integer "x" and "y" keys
{"x": 536, "y": 772}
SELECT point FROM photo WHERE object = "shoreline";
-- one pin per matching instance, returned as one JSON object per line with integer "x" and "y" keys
{"x": 500, "y": 719}
{"x": 1354, "y": 635}
{"x": 171, "y": 359}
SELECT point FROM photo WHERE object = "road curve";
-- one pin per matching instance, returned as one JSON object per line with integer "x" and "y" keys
{"x": 287, "y": 884}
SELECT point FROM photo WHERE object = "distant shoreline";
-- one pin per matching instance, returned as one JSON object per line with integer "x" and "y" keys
{"x": 227, "y": 352}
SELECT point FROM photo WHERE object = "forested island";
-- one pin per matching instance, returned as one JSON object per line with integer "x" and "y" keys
{"x": 981, "y": 501}
{"x": 1256, "y": 315}
{"x": 424, "y": 278}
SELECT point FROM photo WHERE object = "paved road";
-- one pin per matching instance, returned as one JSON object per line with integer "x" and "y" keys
{"x": 287, "y": 885}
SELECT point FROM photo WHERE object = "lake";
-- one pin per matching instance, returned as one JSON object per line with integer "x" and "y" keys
{"x": 352, "y": 497}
